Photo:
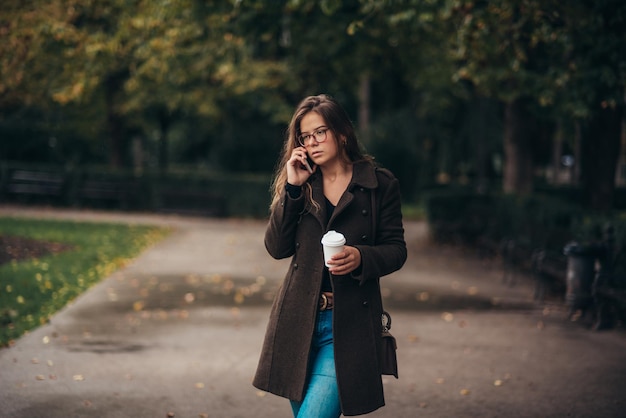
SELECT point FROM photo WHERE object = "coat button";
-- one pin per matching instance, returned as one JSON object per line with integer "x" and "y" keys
{"x": 364, "y": 212}
{"x": 362, "y": 189}
{"x": 295, "y": 266}
{"x": 365, "y": 304}
{"x": 363, "y": 237}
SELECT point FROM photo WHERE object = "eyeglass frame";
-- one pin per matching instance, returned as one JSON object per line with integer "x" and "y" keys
{"x": 303, "y": 139}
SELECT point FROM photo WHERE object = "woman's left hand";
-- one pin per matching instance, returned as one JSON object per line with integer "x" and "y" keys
{"x": 345, "y": 262}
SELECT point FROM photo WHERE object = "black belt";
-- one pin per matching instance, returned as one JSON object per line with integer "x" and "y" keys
{"x": 326, "y": 301}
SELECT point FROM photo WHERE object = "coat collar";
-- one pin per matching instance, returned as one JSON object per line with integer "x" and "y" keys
{"x": 363, "y": 175}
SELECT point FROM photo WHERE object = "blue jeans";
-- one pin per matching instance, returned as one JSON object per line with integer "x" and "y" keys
{"x": 321, "y": 399}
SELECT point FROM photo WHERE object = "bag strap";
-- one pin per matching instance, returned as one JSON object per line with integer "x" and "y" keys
{"x": 386, "y": 321}
{"x": 374, "y": 211}
{"x": 386, "y": 317}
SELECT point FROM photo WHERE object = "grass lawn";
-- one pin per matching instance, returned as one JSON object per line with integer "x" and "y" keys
{"x": 44, "y": 264}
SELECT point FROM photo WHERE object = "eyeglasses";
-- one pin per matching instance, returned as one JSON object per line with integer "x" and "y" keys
{"x": 319, "y": 135}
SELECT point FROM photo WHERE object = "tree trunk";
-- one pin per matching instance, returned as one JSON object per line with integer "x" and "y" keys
{"x": 557, "y": 150}
{"x": 578, "y": 154}
{"x": 364, "y": 108}
{"x": 115, "y": 131}
{"x": 601, "y": 147}
{"x": 518, "y": 160}
{"x": 479, "y": 139}
{"x": 115, "y": 121}
{"x": 164, "y": 125}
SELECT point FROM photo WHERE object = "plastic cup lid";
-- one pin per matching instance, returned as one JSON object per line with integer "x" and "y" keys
{"x": 333, "y": 238}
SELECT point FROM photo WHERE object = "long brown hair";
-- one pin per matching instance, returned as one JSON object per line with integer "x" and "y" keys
{"x": 337, "y": 121}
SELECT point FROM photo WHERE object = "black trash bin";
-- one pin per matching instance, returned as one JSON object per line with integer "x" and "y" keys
{"x": 581, "y": 261}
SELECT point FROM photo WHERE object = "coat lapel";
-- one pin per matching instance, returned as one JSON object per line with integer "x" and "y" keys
{"x": 317, "y": 186}
{"x": 363, "y": 175}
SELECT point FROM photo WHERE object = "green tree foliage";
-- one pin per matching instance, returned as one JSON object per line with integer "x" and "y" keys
{"x": 561, "y": 59}
{"x": 145, "y": 59}
{"x": 444, "y": 83}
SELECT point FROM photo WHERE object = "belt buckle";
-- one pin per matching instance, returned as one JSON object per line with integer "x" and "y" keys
{"x": 324, "y": 302}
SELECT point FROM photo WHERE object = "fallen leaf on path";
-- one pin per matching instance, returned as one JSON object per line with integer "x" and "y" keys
{"x": 447, "y": 316}
{"x": 40, "y": 377}
{"x": 239, "y": 298}
{"x": 112, "y": 294}
{"x": 192, "y": 280}
{"x": 78, "y": 377}
{"x": 465, "y": 392}
{"x": 498, "y": 382}
{"x": 199, "y": 385}
{"x": 227, "y": 287}
{"x": 423, "y": 296}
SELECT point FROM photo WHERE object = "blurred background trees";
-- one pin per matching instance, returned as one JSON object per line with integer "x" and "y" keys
{"x": 504, "y": 95}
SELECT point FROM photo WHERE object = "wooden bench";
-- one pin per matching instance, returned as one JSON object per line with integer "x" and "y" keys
{"x": 35, "y": 183}
{"x": 104, "y": 192}
{"x": 609, "y": 297}
{"x": 191, "y": 202}
{"x": 549, "y": 271}
{"x": 515, "y": 256}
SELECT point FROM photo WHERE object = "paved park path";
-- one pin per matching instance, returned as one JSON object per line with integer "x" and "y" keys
{"x": 178, "y": 332}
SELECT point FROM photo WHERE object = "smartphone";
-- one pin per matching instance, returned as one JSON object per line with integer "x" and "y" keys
{"x": 308, "y": 164}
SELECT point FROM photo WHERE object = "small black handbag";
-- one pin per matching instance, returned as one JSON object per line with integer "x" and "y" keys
{"x": 388, "y": 358}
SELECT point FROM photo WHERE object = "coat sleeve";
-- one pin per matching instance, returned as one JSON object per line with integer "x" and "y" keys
{"x": 281, "y": 229}
{"x": 389, "y": 252}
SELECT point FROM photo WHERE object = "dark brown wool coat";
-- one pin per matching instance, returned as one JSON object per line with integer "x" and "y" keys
{"x": 372, "y": 198}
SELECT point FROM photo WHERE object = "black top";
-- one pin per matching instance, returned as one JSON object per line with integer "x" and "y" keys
{"x": 326, "y": 286}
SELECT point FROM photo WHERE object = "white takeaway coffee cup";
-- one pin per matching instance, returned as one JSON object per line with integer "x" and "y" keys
{"x": 333, "y": 243}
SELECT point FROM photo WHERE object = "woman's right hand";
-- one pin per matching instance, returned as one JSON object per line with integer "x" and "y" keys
{"x": 297, "y": 173}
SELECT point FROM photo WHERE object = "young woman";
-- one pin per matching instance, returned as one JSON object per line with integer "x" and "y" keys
{"x": 323, "y": 341}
